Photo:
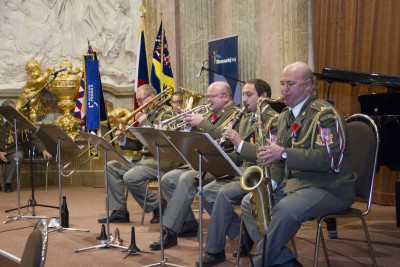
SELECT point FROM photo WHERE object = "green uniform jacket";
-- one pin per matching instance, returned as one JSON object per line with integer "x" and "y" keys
{"x": 161, "y": 113}
{"x": 248, "y": 153}
{"x": 5, "y": 128}
{"x": 308, "y": 162}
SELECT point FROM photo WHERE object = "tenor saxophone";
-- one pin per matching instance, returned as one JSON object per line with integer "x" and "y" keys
{"x": 257, "y": 179}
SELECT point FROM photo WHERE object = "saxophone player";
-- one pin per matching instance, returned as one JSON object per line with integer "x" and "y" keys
{"x": 135, "y": 175}
{"x": 309, "y": 158}
{"x": 179, "y": 185}
{"x": 219, "y": 195}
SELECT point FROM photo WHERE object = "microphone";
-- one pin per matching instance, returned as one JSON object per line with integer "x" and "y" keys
{"x": 57, "y": 71}
{"x": 201, "y": 70}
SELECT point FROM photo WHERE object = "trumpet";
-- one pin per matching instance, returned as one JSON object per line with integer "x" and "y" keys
{"x": 177, "y": 122}
{"x": 149, "y": 107}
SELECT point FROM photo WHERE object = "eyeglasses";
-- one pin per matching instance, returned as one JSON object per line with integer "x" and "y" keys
{"x": 177, "y": 102}
{"x": 140, "y": 100}
{"x": 213, "y": 96}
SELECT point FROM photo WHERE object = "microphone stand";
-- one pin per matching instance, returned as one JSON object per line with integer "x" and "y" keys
{"x": 32, "y": 202}
{"x": 225, "y": 75}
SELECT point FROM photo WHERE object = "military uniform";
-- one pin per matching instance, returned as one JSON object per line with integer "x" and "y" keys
{"x": 135, "y": 175}
{"x": 179, "y": 185}
{"x": 317, "y": 173}
{"x": 7, "y": 145}
{"x": 220, "y": 195}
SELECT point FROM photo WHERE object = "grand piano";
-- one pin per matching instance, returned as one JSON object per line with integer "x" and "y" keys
{"x": 383, "y": 108}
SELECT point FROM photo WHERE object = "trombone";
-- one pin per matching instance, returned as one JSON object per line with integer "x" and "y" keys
{"x": 177, "y": 122}
{"x": 150, "y": 106}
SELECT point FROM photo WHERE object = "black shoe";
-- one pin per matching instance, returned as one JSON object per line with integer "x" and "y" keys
{"x": 191, "y": 232}
{"x": 331, "y": 228}
{"x": 210, "y": 259}
{"x": 8, "y": 188}
{"x": 117, "y": 216}
{"x": 156, "y": 212}
{"x": 169, "y": 240}
{"x": 245, "y": 246}
{"x": 291, "y": 263}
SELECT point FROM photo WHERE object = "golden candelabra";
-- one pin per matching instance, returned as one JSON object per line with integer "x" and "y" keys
{"x": 65, "y": 87}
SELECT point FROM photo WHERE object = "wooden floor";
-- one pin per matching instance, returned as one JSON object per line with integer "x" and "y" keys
{"x": 86, "y": 204}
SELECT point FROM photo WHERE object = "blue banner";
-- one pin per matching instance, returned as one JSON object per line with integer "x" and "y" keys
{"x": 92, "y": 93}
{"x": 223, "y": 63}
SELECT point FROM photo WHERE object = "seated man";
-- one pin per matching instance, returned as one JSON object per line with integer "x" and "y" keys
{"x": 312, "y": 155}
{"x": 179, "y": 186}
{"x": 8, "y": 154}
{"x": 221, "y": 195}
{"x": 135, "y": 176}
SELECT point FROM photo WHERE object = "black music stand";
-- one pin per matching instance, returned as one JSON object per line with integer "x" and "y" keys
{"x": 109, "y": 153}
{"x": 204, "y": 155}
{"x": 19, "y": 121}
{"x": 54, "y": 133}
{"x": 158, "y": 145}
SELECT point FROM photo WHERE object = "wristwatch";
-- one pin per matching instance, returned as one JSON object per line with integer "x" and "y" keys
{"x": 284, "y": 155}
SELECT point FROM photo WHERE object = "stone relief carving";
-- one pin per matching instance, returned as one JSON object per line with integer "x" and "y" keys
{"x": 52, "y": 30}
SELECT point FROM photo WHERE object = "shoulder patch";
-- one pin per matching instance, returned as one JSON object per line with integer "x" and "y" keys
{"x": 319, "y": 105}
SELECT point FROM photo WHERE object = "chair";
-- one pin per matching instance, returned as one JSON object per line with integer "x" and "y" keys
{"x": 364, "y": 143}
{"x": 35, "y": 250}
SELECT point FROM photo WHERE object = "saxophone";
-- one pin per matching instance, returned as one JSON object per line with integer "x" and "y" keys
{"x": 257, "y": 179}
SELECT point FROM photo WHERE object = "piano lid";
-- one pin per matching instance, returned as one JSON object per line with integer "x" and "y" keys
{"x": 357, "y": 78}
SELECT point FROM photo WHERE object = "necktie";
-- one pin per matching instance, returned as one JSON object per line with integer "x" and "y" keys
{"x": 291, "y": 117}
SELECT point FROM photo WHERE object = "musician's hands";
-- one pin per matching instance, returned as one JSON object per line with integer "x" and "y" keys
{"x": 233, "y": 136}
{"x": 140, "y": 117}
{"x": 270, "y": 153}
{"x": 47, "y": 155}
{"x": 3, "y": 156}
{"x": 193, "y": 119}
{"x": 120, "y": 135}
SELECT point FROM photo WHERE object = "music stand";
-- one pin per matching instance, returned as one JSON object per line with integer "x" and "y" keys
{"x": 54, "y": 133}
{"x": 108, "y": 152}
{"x": 19, "y": 120}
{"x": 158, "y": 145}
{"x": 204, "y": 155}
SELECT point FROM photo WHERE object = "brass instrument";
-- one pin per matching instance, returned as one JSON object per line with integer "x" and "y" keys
{"x": 149, "y": 107}
{"x": 190, "y": 98}
{"x": 177, "y": 122}
{"x": 258, "y": 180}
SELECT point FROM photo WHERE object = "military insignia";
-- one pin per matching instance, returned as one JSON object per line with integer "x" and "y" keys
{"x": 324, "y": 135}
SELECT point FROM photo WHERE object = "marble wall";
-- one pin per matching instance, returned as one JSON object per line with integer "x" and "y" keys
{"x": 272, "y": 33}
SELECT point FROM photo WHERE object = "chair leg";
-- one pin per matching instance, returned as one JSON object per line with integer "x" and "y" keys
{"x": 371, "y": 251}
{"x": 319, "y": 237}
{"x": 239, "y": 242}
{"x": 145, "y": 201}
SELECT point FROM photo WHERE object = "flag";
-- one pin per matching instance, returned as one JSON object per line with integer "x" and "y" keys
{"x": 161, "y": 77}
{"x": 142, "y": 70}
{"x": 80, "y": 104}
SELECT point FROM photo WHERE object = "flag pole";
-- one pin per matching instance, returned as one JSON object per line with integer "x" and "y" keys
{"x": 162, "y": 54}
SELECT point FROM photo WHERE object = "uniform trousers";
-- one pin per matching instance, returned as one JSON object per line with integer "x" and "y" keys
{"x": 134, "y": 177}
{"x": 287, "y": 216}
{"x": 179, "y": 187}
{"x": 220, "y": 196}
{"x": 10, "y": 169}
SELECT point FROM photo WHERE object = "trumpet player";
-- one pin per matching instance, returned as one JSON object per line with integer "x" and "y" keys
{"x": 179, "y": 184}
{"x": 176, "y": 102}
{"x": 220, "y": 195}
{"x": 309, "y": 157}
{"x": 134, "y": 176}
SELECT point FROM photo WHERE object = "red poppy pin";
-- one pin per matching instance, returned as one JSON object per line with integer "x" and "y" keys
{"x": 295, "y": 127}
